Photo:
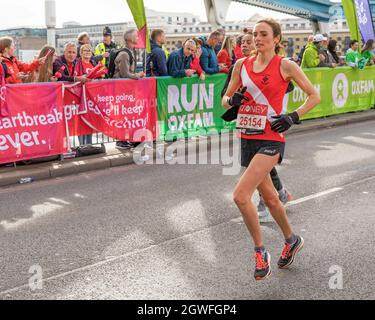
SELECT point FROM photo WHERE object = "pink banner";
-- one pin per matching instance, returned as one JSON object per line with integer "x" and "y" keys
{"x": 32, "y": 123}
{"x": 74, "y": 109}
{"x": 122, "y": 109}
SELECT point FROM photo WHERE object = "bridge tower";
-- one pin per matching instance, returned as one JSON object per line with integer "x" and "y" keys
{"x": 50, "y": 15}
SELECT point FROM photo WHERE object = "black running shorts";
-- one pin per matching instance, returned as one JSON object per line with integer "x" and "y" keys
{"x": 250, "y": 148}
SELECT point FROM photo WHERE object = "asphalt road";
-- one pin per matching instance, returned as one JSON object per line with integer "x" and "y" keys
{"x": 173, "y": 231}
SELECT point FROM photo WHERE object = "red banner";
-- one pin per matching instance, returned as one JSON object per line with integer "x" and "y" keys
{"x": 74, "y": 109}
{"x": 32, "y": 123}
{"x": 122, "y": 109}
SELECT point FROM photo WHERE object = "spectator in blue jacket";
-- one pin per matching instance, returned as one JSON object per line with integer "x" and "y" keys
{"x": 208, "y": 58}
{"x": 179, "y": 62}
{"x": 157, "y": 59}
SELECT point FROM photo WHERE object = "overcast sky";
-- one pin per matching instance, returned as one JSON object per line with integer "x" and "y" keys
{"x": 31, "y": 12}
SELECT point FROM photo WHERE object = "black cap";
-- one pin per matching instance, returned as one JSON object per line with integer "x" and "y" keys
{"x": 107, "y": 31}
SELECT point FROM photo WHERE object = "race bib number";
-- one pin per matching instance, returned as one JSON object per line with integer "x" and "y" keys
{"x": 252, "y": 118}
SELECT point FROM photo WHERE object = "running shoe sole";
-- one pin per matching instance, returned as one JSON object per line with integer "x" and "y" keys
{"x": 123, "y": 148}
{"x": 269, "y": 271}
{"x": 294, "y": 254}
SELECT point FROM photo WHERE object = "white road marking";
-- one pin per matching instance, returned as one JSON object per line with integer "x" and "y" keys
{"x": 236, "y": 220}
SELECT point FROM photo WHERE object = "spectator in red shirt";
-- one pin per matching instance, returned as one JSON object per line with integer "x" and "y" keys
{"x": 86, "y": 62}
{"x": 195, "y": 63}
{"x": 225, "y": 56}
{"x": 237, "y": 50}
{"x": 17, "y": 70}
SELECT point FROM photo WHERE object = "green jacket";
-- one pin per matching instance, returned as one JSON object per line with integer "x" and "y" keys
{"x": 352, "y": 58}
{"x": 102, "y": 48}
{"x": 368, "y": 55}
{"x": 310, "y": 57}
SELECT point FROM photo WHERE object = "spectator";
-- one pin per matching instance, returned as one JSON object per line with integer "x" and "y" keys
{"x": 104, "y": 48}
{"x": 3, "y": 71}
{"x": 225, "y": 56}
{"x": 157, "y": 60}
{"x": 86, "y": 62}
{"x": 208, "y": 58}
{"x": 17, "y": 70}
{"x": 237, "y": 49}
{"x": 219, "y": 46}
{"x": 352, "y": 56}
{"x": 82, "y": 39}
{"x": 367, "y": 52}
{"x": 196, "y": 64}
{"x": 126, "y": 60}
{"x": 68, "y": 61}
{"x": 45, "y": 72}
{"x": 332, "y": 52}
{"x": 179, "y": 44}
{"x": 309, "y": 41}
{"x": 312, "y": 58}
{"x": 284, "y": 49}
{"x": 125, "y": 68}
{"x": 179, "y": 62}
{"x": 323, "y": 50}
{"x": 248, "y": 49}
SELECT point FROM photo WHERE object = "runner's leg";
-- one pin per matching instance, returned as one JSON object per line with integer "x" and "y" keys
{"x": 277, "y": 209}
{"x": 256, "y": 173}
{"x": 276, "y": 180}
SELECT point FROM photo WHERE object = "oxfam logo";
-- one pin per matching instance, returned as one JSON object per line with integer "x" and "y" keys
{"x": 340, "y": 90}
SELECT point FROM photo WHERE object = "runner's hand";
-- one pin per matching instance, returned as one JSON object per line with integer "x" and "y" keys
{"x": 238, "y": 97}
{"x": 284, "y": 122}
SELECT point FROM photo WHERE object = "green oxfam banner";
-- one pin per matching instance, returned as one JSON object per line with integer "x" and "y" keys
{"x": 342, "y": 90}
{"x": 188, "y": 106}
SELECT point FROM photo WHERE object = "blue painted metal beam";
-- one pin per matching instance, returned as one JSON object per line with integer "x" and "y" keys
{"x": 316, "y": 10}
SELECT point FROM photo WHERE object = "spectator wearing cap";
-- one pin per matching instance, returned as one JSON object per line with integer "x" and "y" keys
{"x": 209, "y": 61}
{"x": 323, "y": 50}
{"x": 104, "y": 48}
{"x": 311, "y": 57}
{"x": 179, "y": 61}
{"x": 157, "y": 59}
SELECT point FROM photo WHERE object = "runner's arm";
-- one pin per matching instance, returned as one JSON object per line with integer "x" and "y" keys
{"x": 291, "y": 71}
{"x": 234, "y": 84}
